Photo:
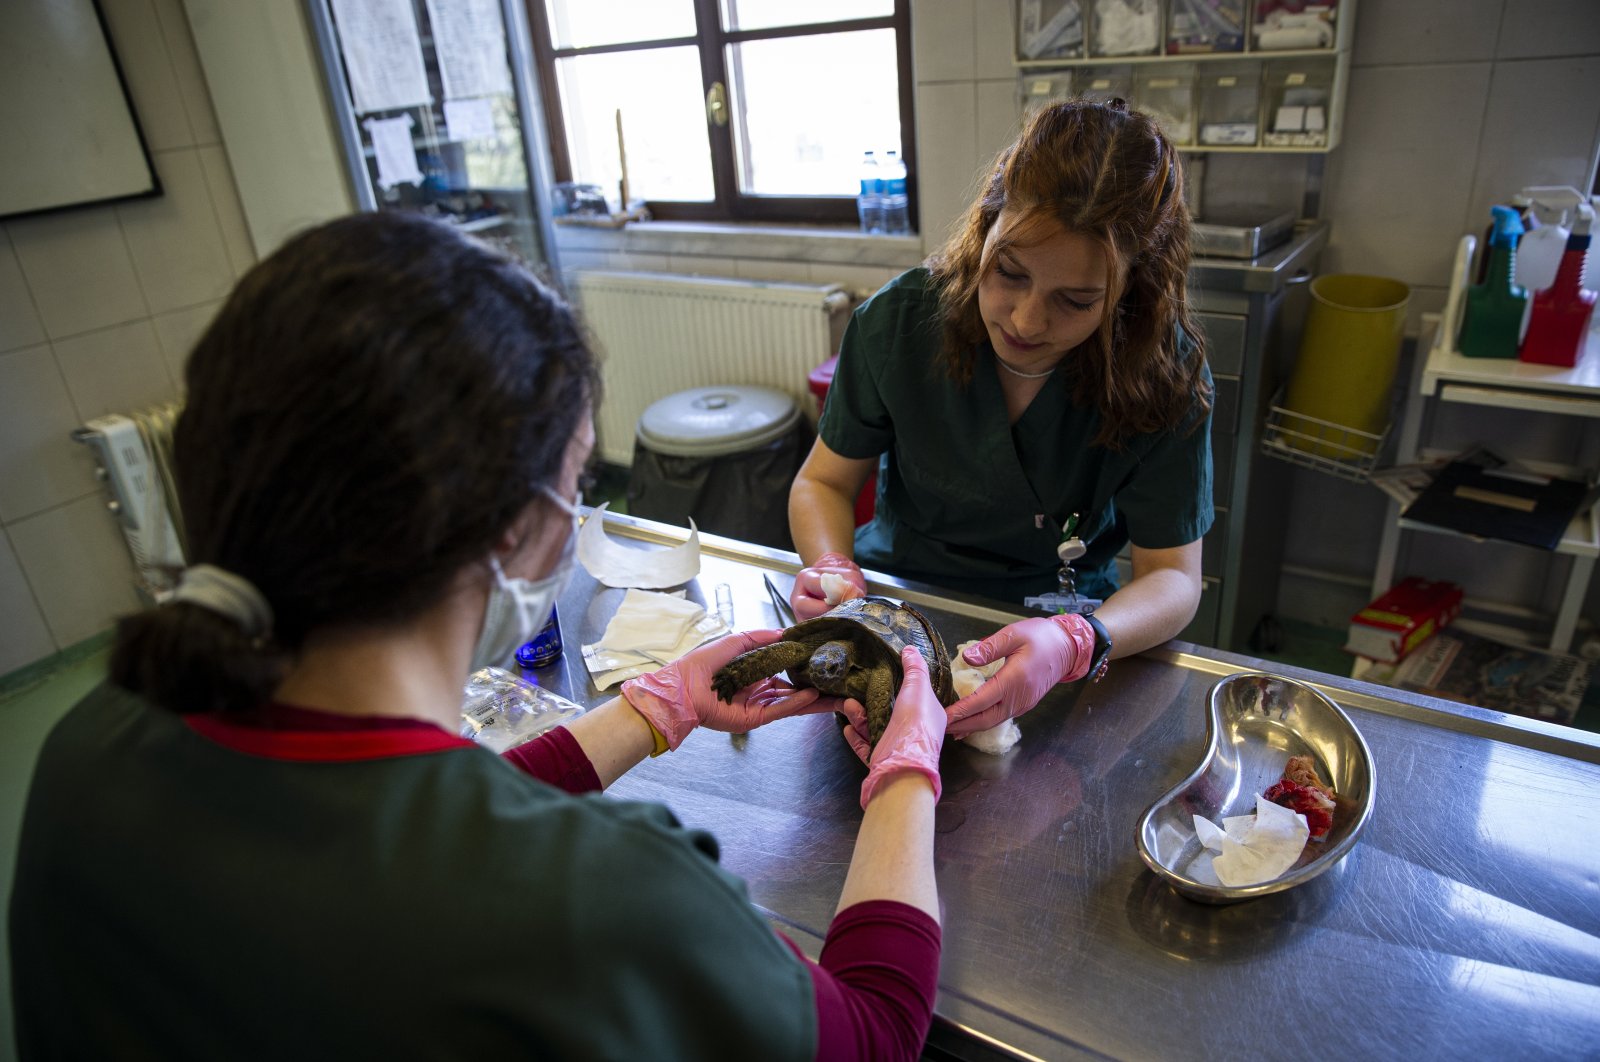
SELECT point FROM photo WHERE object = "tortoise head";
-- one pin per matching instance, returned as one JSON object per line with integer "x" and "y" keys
{"x": 830, "y": 665}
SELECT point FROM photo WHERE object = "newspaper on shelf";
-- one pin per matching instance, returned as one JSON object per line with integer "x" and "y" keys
{"x": 1458, "y": 665}
{"x": 1404, "y": 483}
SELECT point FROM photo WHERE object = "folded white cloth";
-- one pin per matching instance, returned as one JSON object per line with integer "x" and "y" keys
{"x": 650, "y": 622}
{"x": 647, "y": 631}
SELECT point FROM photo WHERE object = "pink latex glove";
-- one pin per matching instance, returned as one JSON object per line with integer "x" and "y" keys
{"x": 915, "y": 732}
{"x": 677, "y": 698}
{"x": 807, "y": 598}
{"x": 1039, "y": 652}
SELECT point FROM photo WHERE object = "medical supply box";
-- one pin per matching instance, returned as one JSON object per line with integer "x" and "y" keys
{"x": 1404, "y": 617}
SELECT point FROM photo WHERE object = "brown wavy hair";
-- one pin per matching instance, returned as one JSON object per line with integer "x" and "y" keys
{"x": 1106, "y": 172}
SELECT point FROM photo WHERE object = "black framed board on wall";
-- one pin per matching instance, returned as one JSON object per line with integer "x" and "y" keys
{"x": 68, "y": 131}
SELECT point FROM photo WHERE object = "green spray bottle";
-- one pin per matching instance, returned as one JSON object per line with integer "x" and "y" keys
{"x": 1495, "y": 308}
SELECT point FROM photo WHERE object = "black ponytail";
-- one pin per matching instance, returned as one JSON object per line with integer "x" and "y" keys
{"x": 189, "y": 658}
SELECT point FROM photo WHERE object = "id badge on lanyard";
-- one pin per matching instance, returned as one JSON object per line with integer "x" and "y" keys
{"x": 1066, "y": 598}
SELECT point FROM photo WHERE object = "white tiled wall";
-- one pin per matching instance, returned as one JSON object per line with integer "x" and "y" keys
{"x": 98, "y": 307}
{"x": 966, "y": 102}
{"x": 1397, "y": 189}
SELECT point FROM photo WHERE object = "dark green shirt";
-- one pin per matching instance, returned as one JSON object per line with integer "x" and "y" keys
{"x": 177, "y": 899}
{"x": 969, "y": 501}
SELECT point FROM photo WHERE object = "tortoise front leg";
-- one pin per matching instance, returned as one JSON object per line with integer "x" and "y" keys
{"x": 755, "y": 665}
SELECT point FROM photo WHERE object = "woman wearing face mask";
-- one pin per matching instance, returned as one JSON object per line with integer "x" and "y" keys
{"x": 1039, "y": 395}
{"x": 264, "y": 838}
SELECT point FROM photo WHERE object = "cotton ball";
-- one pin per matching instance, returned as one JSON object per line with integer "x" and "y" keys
{"x": 968, "y": 677}
{"x": 965, "y": 680}
{"x": 997, "y": 739}
{"x": 833, "y": 588}
{"x": 986, "y": 670}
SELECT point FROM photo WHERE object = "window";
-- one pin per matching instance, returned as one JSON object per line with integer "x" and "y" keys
{"x": 726, "y": 109}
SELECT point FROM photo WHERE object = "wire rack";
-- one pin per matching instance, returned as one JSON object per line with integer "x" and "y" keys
{"x": 1311, "y": 442}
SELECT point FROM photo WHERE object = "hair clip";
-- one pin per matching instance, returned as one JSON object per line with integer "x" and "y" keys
{"x": 1167, "y": 186}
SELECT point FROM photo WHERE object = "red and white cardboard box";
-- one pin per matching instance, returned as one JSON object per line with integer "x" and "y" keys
{"x": 1403, "y": 618}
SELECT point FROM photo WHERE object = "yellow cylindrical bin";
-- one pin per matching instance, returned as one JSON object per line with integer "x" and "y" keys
{"x": 1348, "y": 357}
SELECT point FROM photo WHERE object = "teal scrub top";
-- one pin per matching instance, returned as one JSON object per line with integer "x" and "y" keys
{"x": 428, "y": 905}
{"x": 967, "y": 500}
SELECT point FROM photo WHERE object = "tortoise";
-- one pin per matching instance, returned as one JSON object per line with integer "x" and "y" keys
{"x": 853, "y": 650}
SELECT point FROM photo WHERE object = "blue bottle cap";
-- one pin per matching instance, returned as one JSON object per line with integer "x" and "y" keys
{"x": 1507, "y": 226}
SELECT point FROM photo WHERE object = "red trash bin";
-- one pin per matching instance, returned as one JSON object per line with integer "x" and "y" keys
{"x": 819, "y": 380}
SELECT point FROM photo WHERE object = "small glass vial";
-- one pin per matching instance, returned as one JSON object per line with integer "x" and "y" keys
{"x": 545, "y": 648}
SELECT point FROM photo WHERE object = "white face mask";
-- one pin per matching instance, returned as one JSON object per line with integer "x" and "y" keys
{"x": 517, "y": 608}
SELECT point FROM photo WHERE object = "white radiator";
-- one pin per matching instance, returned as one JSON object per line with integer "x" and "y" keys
{"x": 660, "y": 333}
{"x": 134, "y": 458}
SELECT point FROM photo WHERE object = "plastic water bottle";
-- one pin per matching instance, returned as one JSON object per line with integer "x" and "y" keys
{"x": 893, "y": 183}
{"x": 869, "y": 203}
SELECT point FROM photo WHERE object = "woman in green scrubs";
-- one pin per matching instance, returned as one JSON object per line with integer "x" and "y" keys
{"x": 1034, "y": 394}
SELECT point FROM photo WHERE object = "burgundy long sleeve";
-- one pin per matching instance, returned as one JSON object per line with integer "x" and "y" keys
{"x": 556, "y": 757}
{"x": 876, "y": 982}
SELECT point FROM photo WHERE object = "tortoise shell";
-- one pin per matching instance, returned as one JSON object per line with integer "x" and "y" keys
{"x": 853, "y": 650}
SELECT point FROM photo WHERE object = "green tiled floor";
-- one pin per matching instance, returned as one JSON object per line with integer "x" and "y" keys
{"x": 1307, "y": 645}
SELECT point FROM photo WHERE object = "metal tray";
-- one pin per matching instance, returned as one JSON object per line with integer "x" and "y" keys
{"x": 1240, "y": 237}
{"x": 1256, "y": 721}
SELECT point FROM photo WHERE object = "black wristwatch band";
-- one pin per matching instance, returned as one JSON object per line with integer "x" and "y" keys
{"x": 1102, "y": 649}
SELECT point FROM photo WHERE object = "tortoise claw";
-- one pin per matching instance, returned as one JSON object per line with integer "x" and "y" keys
{"x": 725, "y": 685}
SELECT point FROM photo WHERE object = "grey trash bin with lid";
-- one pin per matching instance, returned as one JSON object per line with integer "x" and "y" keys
{"x": 724, "y": 456}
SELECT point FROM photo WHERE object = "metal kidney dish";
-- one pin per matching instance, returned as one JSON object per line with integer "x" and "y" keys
{"x": 1255, "y": 722}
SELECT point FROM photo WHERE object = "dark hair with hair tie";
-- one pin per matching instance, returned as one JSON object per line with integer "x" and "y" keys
{"x": 1101, "y": 170}
{"x": 369, "y": 411}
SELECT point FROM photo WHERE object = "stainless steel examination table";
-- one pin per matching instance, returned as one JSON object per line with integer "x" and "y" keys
{"x": 1466, "y": 918}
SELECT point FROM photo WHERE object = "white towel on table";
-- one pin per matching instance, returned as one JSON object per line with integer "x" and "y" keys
{"x": 647, "y": 631}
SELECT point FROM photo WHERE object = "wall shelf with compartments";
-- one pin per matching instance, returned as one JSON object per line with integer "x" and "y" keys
{"x": 1198, "y": 66}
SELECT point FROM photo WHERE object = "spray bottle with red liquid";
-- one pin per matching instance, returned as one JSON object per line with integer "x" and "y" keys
{"x": 1558, "y": 322}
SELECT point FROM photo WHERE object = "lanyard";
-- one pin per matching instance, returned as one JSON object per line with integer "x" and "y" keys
{"x": 1071, "y": 547}
{"x": 1066, "y": 598}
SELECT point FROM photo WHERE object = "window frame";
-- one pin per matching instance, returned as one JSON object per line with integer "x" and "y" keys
{"x": 711, "y": 40}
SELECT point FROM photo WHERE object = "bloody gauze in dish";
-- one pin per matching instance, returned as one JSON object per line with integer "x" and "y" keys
{"x": 1301, "y": 790}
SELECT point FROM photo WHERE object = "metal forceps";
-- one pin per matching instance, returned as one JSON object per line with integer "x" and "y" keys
{"x": 779, "y": 602}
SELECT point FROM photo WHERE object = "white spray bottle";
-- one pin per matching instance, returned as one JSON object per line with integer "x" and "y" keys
{"x": 1539, "y": 251}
